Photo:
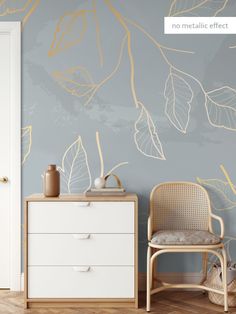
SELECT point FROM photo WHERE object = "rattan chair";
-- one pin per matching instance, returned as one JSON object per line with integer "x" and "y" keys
{"x": 180, "y": 220}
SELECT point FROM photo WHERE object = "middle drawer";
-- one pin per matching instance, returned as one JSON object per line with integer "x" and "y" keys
{"x": 80, "y": 249}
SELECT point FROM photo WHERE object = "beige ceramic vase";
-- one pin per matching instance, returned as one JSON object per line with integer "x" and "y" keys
{"x": 51, "y": 186}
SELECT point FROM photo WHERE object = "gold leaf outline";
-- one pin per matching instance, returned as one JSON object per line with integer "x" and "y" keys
{"x": 59, "y": 35}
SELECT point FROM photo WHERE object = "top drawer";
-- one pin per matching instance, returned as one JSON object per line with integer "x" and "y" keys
{"x": 81, "y": 217}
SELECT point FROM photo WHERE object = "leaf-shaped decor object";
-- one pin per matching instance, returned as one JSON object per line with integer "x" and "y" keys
{"x": 24, "y": 7}
{"x": 145, "y": 137}
{"x": 221, "y": 108}
{"x": 77, "y": 81}
{"x": 70, "y": 31}
{"x": 220, "y": 193}
{"x": 196, "y": 7}
{"x": 26, "y": 142}
{"x": 179, "y": 95}
{"x": 75, "y": 173}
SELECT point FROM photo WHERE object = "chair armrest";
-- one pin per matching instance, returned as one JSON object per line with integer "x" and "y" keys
{"x": 222, "y": 226}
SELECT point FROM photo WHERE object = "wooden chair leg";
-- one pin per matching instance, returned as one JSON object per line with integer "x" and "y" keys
{"x": 224, "y": 277}
{"x": 148, "y": 301}
{"x": 204, "y": 267}
{"x": 154, "y": 271}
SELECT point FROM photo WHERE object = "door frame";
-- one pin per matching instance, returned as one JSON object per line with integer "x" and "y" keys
{"x": 14, "y": 31}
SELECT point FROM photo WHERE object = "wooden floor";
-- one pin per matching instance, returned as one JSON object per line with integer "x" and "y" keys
{"x": 171, "y": 302}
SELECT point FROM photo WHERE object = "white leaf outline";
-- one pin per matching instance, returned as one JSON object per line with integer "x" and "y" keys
{"x": 211, "y": 183}
{"x": 26, "y": 142}
{"x": 174, "y": 120}
{"x": 219, "y": 107}
{"x": 68, "y": 177}
{"x": 194, "y": 7}
{"x": 155, "y": 141}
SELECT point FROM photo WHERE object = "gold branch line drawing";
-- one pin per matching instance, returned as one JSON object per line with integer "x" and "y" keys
{"x": 26, "y": 142}
{"x": 78, "y": 82}
{"x": 69, "y": 82}
{"x": 70, "y": 31}
{"x": 228, "y": 179}
{"x": 9, "y": 8}
{"x": 98, "y": 35}
{"x": 220, "y": 104}
{"x": 102, "y": 161}
{"x": 195, "y": 7}
{"x": 130, "y": 53}
{"x": 145, "y": 137}
{"x": 74, "y": 170}
{"x": 179, "y": 95}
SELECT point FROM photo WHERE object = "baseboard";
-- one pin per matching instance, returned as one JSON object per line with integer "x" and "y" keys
{"x": 174, "y": 278}
{"x": 193, "y": 278}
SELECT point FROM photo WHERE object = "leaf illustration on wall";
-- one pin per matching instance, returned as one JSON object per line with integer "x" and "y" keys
{"x": 25, "y": 7}
{"x": 179, "y": 95}
{"x": 220, "y": 193}
{"x": 76, "y": 81}
{"x": 221, "y": 107}
{"x": 26, "y": 142}
{"x": 145, "y": 137}
{"x": 75, "y": 173}
{"x": 70, "y": 31}
{"x": 196, "y": 7}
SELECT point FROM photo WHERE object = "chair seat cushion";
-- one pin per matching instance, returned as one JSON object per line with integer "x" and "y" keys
{"x": 184, "y": 237}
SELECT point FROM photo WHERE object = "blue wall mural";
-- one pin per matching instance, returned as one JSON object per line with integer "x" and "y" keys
{"x": 164, "y": 106}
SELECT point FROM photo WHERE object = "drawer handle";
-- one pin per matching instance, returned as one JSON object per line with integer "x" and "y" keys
{"x": 83, "y": 204}
{"x": 82, "y": 236}
{"x": 82, "y": 269}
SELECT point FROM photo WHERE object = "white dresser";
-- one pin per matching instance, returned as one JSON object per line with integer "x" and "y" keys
{"x": 81, "y": 251}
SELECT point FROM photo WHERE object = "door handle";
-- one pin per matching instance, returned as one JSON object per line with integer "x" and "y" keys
{"x": 4, "y": 179}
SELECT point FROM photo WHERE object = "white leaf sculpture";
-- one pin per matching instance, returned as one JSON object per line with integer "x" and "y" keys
{"x": 179, "y": 95}
{"x": 26, "y": 142}
{"x": 75, "y": 173}
{"x": 221, "y": 107}
{"x": 196, "y": 7}
{"x": 145, "y": 137}
{"x": 220, "y": 193}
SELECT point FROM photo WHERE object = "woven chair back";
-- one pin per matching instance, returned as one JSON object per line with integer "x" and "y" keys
{"x": 179, "y": 206}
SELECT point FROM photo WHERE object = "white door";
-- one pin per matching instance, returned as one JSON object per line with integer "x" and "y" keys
{"x": 9, "y": 91}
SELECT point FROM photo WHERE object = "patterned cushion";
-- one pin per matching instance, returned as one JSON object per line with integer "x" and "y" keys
{"x": 184, "y": 237}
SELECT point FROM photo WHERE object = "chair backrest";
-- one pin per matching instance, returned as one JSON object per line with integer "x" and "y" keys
{"x": 179, "y": 206}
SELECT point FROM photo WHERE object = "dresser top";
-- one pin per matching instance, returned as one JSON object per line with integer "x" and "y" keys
{"x": 82, "y": 197}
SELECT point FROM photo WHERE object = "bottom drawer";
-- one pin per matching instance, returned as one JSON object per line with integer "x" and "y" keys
{"x": 80, "y": 282}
